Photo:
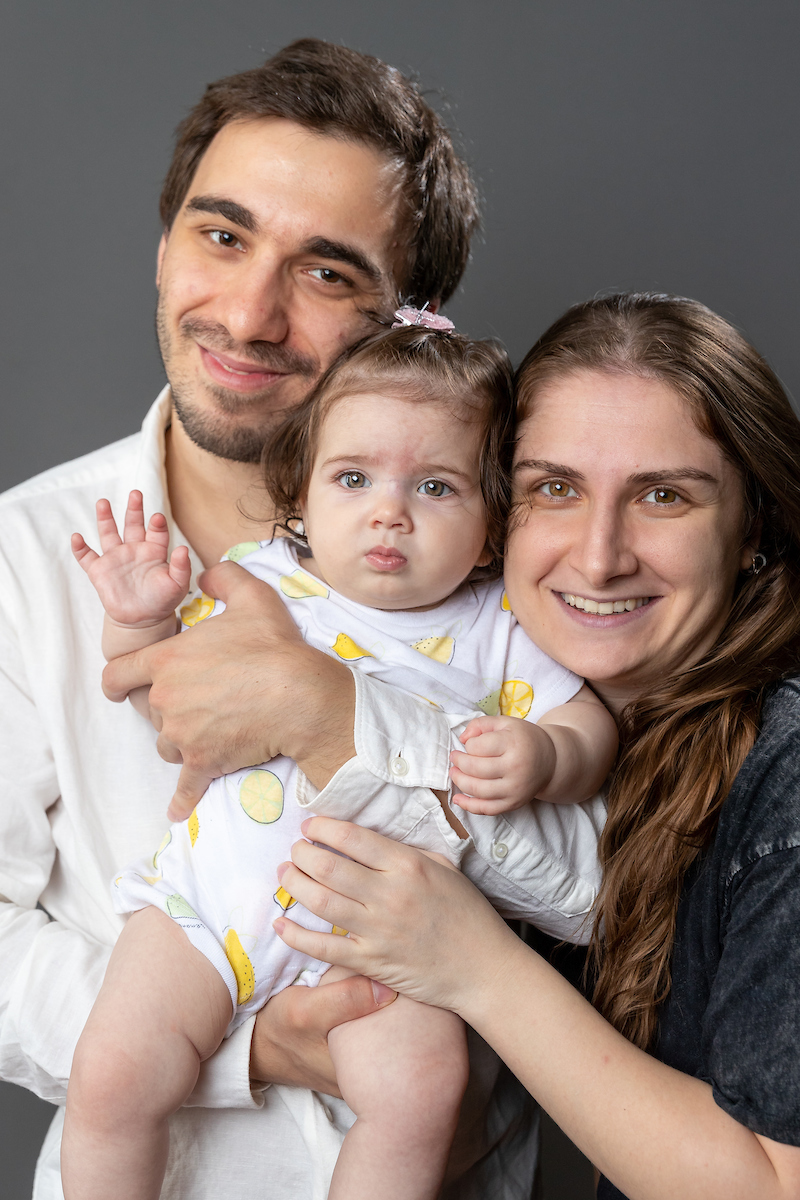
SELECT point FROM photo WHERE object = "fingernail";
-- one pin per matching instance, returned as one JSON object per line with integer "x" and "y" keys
{"x": 382, "y": 993}
{"x": 279, "y": 925}
{"x": 281, "y": 870}
{"x": 304, "y": 825}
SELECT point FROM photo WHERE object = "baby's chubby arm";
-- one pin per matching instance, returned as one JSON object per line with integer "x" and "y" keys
{"x": 563, "y": 758}
{"x": 139, "y": 584}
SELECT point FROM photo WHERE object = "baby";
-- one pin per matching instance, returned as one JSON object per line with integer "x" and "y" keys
{"x": 392, "y": 480}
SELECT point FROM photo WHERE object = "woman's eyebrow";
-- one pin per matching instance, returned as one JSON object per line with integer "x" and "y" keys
{"x": 673, "y": 473}
{"x": 543, "y": 464}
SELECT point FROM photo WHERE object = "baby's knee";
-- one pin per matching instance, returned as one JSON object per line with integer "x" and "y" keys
{"x": 107, "y": 1086}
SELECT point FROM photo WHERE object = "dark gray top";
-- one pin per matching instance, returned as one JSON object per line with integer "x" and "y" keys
{"x": 732, "y": 1017}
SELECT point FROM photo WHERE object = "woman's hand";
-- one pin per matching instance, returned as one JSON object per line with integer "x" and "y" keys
{"x": 413, "y": 924}
{"x": 240, "y": 689}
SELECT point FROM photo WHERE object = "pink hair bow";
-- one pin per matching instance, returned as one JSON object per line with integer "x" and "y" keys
{"x": 407, "y": 315}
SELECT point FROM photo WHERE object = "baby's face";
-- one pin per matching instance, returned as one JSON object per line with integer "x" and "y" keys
{"x": 394, "y": 513}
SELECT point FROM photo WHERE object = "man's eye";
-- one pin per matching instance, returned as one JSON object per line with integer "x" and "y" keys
{"x": 434, "y": 487}
{"x": 558, "y": 489}
{"x": 223, "y": 237}
{"x": 662, "y": 496}
{"x": 328, "y": 275}
{"x": 353, "y": 480}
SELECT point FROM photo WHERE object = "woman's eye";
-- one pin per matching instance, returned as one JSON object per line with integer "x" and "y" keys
{"x": 223, "y": 237}
{"x": 662, "y": 496}
{"x": 353, "y": 480}
{"x": 558, "y": 489}
{"x": 434, "y": 487}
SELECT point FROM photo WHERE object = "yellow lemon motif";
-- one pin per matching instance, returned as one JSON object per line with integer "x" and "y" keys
{"x": 165, "y": 841}
{"x": 261, "y": 796}
{"x": 516, "y": 698}
{"x": 506, "y": 607}
{"x": 346, "y": 648}
{"x": 440, "y": 649}
{"x": 299, "y": 586}
{"x": 193, "y": 825}
{"x": 239, "y": 551}
{"x": 283, "y": 898}
{"x": 178, "y": 907}
{"x": 198, "y": 609}
{"x": 242, "y": 967}
{"x": 338, "y": 929}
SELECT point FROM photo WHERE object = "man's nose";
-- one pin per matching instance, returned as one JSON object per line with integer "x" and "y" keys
{"x": 256, "y": 304}
{"x": 603, "y": 549}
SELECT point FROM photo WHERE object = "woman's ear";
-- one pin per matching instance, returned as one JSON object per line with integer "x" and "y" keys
{"x": 751, "y": 547}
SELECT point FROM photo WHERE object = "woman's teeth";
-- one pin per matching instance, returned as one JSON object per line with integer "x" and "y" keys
{"x": 603, "y": 607}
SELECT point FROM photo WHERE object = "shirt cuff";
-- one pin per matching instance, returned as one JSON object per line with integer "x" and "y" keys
{"x": 224, "y": 1079}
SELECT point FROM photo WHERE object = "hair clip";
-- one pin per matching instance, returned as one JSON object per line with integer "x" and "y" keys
{"x": 408, "y": 315}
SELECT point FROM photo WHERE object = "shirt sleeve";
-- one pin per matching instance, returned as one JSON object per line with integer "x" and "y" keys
{"x": 750, "y": 1027}
{"x": 51, "y": 971}
{"x": 537, "y": 864}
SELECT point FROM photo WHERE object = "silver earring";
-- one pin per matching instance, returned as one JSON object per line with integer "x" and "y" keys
{"x": 759, "y": 562}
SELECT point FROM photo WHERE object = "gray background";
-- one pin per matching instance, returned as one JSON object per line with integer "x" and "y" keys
{"x": 619, "y": 144}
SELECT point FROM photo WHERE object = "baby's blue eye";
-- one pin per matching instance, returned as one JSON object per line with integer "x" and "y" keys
{"x": 353, "y": 480}
{"x": 434, "y": 487}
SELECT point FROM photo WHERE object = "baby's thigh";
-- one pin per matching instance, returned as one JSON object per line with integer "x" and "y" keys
{"x": 158, "y": 985}
{"x": 406, "y": 1056}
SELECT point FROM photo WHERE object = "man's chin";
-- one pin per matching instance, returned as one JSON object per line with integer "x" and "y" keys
{"x": 223, "y": 438}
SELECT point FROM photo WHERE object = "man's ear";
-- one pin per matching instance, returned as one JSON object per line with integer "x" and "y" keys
{"x": 434, "y": 306}
{"x": 162, "y": 246}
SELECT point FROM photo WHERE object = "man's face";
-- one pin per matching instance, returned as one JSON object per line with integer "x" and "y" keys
{"x": 286, "y": 240}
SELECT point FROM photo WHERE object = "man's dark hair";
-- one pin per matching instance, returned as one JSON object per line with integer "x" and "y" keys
{"x": 342, "y": 93}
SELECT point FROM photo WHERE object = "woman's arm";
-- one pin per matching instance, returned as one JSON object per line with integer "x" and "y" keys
{"x": 655, "y": 1132}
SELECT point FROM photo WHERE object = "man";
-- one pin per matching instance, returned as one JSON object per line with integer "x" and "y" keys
{"x": 304, "y": 199}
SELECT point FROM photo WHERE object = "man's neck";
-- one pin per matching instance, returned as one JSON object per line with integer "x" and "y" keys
{"x": 216, "y": 503}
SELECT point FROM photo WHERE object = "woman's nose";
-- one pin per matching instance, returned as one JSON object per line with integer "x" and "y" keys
{"x": 603, "y": 549}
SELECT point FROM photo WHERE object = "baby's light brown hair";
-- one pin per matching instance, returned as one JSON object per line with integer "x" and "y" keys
{"x": 471, "y": 378}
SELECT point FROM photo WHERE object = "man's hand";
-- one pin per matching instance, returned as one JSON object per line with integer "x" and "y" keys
{"x": 290, "y": 1041}
{"x": 239, "y": 689}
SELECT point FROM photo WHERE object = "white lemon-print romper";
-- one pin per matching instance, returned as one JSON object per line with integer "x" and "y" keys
{"x": 214, "y": 874}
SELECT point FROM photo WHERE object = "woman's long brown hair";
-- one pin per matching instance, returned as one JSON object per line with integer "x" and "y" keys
{"x": 684, "y": 742}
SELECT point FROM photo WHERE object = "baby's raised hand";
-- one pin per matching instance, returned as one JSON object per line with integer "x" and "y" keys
{"x": 138, "y": 584}
{"x": 505, "y": 763}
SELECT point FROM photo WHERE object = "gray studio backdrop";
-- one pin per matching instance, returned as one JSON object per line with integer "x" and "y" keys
{"x": 619, "y": 144}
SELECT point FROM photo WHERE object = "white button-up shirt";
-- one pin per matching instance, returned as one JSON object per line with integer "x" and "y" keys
{"x": 83, "y": 790}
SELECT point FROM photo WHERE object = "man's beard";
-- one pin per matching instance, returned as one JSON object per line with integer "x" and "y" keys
{"x": 210, "y": 430}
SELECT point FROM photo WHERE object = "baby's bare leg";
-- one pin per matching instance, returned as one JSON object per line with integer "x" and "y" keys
{"x": 403, "y": 1071}
{"x": 162, "y": 1010}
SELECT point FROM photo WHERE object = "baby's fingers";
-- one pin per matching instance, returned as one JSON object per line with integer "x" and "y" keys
{"x": 474, "y": 804}
{"x": 180, "y": 568}
{"x": 475, "y": 766}
{"x": 482, "y": 789}
{"x": 84, "y": 554}
{"x": 477, "y": 726}
{"x": 134, "y": 518}
{"x": 106, "y": 526}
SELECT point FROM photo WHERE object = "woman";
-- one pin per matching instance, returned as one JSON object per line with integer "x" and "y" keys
{"x": 655, "y": 549}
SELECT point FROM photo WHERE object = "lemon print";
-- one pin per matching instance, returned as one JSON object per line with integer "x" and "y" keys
{"x": 198, "y": 609}
{"x": 261, "y": 796}
{"x": 239, "y": 551}
{"x": 506, "y": 607}
{"x": 346, "y": 648}
{"x": 513, "y": 699}
{"x": 193, "y": 825}
{"x": 440, "y": 649}
{"x": 242, "y": 967}
{"x": 283, "y": 898}
{"x": 178, "y": 907}
{"x": 516, "y": 698}
{"x": 338, "y": 929}
{"x": 165, "y": 841}
{"x": 299, "y": 586}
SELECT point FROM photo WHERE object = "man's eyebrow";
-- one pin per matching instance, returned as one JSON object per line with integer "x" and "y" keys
{"x": 237, "y": 214}
{"x": 543, "y": 464}
{"x": 342, "y": 252}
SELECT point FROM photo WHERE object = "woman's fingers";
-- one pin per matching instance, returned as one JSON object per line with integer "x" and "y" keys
{"x": 361, "y": 845}
{"x": 327, "y": 947}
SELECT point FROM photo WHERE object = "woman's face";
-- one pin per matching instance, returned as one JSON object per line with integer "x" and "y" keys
{"x": 630, "y": 533}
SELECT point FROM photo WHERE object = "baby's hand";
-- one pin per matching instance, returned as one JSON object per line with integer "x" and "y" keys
{"x": 136, "y": 582}
{"x": 505, "y": 763}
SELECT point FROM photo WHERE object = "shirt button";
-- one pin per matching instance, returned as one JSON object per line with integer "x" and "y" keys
{"x": 398, "y": 766}
{"x": 499, "y": 849}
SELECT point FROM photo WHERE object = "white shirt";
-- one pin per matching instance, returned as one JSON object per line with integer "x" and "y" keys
{"x": 83, "y": 790}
